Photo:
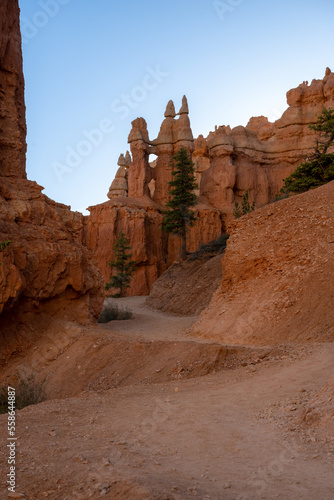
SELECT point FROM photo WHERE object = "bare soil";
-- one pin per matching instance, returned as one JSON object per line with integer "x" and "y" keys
{"x": 186, "y": 288}
{"x": 156, "y": 414}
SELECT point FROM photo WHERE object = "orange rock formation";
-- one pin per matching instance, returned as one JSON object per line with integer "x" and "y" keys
{"x": 255, "y": 158}
{"x": 45, "y": 274}
{"x": 12, "y": 108}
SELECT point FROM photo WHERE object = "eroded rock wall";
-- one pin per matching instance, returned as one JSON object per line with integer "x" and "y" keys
{"x": 153, "y": 250}
{"x": 46, "y": 274}
{"x": 12, "y": 106}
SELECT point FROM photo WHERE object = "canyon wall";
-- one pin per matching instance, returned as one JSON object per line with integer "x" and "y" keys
{"x": 46, "y": 274}
{"x": 229, "y": 162}
{"x": 12, "y": 107}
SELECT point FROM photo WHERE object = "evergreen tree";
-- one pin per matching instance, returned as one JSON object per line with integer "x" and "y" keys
{"x": 122, "y": 264}
{"x": 179, "y": 216}
{"x": 318, "y": 169}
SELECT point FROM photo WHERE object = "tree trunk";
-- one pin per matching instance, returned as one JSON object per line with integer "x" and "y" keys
{"x": 184, "y": 243}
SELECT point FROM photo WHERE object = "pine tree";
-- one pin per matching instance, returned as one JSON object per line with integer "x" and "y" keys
{"x": 179, "y": 216}
{"x": 318, "y": 169}
{"x": 122, "y": 264}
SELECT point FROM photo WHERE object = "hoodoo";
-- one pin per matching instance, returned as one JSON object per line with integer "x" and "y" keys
{"x": 228, "y": 162}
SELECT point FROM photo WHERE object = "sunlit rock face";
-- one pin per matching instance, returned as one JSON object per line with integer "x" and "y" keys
{"x": 12, "y": 107}
{"x": 228, "y": 162}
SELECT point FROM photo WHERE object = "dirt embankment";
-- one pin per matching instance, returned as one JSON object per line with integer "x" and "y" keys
{"x": 153, "y": 347}
{"x": 213, "y": 437}
{"x": 278, "y": 275}
{"x": 186, "y": 288}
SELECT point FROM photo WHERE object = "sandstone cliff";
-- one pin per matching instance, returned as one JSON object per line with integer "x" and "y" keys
{"x": 255, "y": 158}
{"x": 12, "y": 107}
{"x": 45, "y": 273}
{"x": 278, "y": 275}
{"x": 153, "y": 250}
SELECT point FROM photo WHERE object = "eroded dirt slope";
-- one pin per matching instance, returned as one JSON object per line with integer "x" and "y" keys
{"x": 186, "y": 288}
{"x": 278, "y": 275}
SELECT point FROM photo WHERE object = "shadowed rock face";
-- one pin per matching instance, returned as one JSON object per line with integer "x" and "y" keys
{"x": 12, "y": 107}
{"x": 46, "y": 274}
{"x": 255, "y": 158}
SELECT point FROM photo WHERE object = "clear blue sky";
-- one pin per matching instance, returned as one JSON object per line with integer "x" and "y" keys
{"x": 98, "y": 64}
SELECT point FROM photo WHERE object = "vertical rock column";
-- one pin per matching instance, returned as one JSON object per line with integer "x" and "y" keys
{"x": 139, "y": 172}
{"x": 163, "y": 148}
{"x": 12, "y": 108}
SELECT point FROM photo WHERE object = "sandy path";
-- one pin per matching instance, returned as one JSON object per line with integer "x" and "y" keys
{"x": 149, "y": 324}
{"x": 218, "y": 437}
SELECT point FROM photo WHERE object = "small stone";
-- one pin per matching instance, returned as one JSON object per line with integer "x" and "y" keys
{"x": 104, "y": 487}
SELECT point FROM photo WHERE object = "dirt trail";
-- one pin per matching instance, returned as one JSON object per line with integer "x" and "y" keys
{"x": 149, "y": 324}
{"x": 232, "y": 435}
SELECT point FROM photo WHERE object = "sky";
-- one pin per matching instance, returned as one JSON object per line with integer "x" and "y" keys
{"x": 92, "y": 66}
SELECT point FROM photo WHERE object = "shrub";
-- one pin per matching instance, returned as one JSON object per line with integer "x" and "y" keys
{"x": 318, "y": 169}
{"x": 279, "y": 197}
{"x": 245, "y": 208}
{"x": 28, "y": 391}
{"x": 215, "y": 247}
{"x": 111, "y": 312}
{"x": 4, "y": 244}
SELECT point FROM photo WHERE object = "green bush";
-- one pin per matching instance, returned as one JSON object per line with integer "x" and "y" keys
{"x": 4, "y": 244}
{"x": 318, "y": 168}
{"x": 279, "y": 197}
{"x": 215, "y": 247}
{"x": 245, "y": 207}
{"x": 28, "y": 391}
{"x": 111, "y": 312}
